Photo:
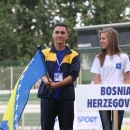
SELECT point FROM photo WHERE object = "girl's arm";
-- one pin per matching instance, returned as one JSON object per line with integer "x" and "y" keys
{"x": 127, "y": 77}
{"x": 97, "y": 79}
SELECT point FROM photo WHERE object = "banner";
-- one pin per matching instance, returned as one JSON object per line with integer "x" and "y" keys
{"x": 103, "y": 97}
{"x": 17, "y": 102}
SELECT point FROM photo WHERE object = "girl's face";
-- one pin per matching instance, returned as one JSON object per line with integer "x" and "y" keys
{"x": 104, "y": 41}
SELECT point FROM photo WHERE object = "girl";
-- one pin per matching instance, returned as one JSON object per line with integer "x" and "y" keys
{"x": 111, "y": 66}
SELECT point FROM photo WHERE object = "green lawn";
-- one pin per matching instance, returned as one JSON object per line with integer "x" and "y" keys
{"x": 4, "y": 98}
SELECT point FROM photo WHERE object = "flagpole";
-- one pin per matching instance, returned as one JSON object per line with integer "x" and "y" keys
{"x": 115, "y": 114}
{"x": 47, "y": 75}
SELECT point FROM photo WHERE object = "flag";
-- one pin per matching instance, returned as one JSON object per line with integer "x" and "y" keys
{"x": 17, "y": 102}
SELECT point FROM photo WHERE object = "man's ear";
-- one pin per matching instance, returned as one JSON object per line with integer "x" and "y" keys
{"x": 67, "y": 36}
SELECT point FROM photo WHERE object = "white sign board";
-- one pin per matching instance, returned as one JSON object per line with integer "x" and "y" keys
{"x": 103, "y": 97}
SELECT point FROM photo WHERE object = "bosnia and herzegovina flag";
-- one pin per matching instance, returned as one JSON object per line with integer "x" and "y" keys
{"x": 17, "y": 102}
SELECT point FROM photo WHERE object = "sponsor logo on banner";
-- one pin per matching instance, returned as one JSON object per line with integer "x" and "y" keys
{"x": 88, "y": 120}
{"x": 126, "y": 124}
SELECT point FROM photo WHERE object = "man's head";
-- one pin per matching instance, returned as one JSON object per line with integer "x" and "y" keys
{"x": 60, "y": 33}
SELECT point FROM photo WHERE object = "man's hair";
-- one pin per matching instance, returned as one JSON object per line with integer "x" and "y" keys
{"x": 62, "y": 25}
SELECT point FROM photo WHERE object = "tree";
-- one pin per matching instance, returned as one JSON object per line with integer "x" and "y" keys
{"x": 7, "y": 40}
{"x": 67, "y": 11}
{"x": 27, "y": 23}
{"x": 105, "y": 12}
{"x": 34, "y": 23}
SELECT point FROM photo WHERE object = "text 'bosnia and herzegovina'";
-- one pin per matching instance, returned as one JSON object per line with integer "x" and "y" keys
{"x": 111, "y": 102}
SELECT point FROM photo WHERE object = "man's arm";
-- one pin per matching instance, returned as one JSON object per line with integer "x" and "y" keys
{"x": 64, "y": 82}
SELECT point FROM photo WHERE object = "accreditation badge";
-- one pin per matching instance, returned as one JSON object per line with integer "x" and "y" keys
{"x": 58, "y": 76}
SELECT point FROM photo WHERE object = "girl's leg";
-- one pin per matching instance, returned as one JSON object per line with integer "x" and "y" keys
{"x": 105, "y": 116}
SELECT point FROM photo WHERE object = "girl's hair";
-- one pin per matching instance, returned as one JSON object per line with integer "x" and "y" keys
{"x": 112, "y": 35}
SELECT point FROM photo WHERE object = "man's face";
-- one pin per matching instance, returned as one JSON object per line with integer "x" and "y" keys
{"x": 60, "y": 35}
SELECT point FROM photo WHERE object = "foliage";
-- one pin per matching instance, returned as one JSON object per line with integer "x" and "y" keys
{"x": 105, "y": 12}
{"x": 24, "y": 24}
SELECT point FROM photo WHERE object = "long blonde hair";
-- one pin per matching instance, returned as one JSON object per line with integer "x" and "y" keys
{"x": 112, "y": 35}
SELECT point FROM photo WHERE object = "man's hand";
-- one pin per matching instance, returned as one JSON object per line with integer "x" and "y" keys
{"x": 47, "y": 82}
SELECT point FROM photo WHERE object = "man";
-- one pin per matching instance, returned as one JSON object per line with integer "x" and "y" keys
{"x": 57, "y": 94}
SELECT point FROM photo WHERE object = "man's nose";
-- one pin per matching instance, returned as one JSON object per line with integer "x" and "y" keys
{"x": 59, "y": 34}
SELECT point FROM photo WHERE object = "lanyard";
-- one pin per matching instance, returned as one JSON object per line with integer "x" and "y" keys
{"x": 59, "y": 64}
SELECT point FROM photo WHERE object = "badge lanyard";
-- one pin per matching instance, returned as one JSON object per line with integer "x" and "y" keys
{"x": 59, "y": 64}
